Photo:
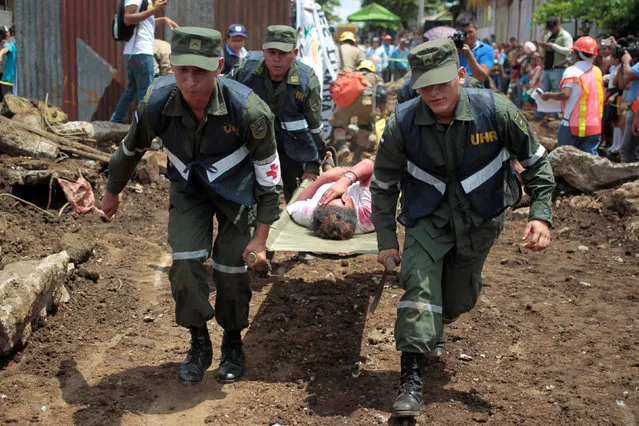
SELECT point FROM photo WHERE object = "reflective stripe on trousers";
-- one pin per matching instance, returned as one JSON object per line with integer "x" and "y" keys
{"x": 186, "y": 255}
{"x": 420, "y": 306}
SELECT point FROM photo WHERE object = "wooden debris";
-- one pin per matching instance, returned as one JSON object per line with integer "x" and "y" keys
{"x": 64, "y": 144}
{"x": 16, "y": 140}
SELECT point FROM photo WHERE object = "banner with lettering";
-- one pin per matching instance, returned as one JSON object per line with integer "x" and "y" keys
{"x": 317, "y": 50}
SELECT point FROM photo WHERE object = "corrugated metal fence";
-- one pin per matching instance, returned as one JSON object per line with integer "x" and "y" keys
{"x": 65, "y": 47}
{"x": 255, "y": 15}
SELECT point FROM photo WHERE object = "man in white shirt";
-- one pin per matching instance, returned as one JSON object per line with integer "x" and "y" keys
{"x": 555, "y": 49}
{"x": 378, "y": 55}
{"x": 138, "y": 51}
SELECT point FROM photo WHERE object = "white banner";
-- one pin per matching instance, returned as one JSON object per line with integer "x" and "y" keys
{"x": 317, "y": 50}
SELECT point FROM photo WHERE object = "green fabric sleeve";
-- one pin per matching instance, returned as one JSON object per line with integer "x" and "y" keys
{"x": 538, "y": 179}
{"x": 390, "y": 163}
{"x": 126, "y": 158}
{"x": 257, "y": 128}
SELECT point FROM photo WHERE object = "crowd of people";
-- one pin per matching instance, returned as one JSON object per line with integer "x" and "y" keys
{"x": 553, "y": 68}
{"x": 240, "y": 128}
{"x": 554, "y": 65}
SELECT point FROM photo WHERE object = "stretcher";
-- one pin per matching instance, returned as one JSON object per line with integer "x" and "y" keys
{"x": 286, "y": 235}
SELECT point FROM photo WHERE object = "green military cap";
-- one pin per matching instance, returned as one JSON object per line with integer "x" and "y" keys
{"x": 433, "y": 62}
{"x": 280, "y": 37}
{"x": 196, "y": 47}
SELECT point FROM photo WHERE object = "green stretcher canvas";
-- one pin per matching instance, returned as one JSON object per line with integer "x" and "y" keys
{"x": 286, "y": 235}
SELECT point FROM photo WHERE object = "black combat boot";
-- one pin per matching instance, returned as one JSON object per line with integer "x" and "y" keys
{"x": 199, "y": 358}
{"x": 409, "y": 398}
{"x": 232, "y": 361}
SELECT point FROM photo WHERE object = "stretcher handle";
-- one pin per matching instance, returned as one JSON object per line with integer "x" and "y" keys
{"x": 390, "y": 264}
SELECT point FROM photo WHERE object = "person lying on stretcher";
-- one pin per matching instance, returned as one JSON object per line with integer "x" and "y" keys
{"x": 338, "y": 204}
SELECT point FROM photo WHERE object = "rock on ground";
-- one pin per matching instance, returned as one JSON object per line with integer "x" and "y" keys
{"x": 626, "y": 198}
{"x": 78, "y": 246}
{"x": 29, "y": 289}
{"x": 632, "y": 229}
{"x": 588, "y": 173}
{"x": 581, "y": 201}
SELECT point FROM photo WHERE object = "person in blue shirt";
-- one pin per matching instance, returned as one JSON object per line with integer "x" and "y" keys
{"x": 400, "y": 59}
{"x": 234, "y": 50}
{"x": 478, "y": 58}
{"x": 8, "y": 52}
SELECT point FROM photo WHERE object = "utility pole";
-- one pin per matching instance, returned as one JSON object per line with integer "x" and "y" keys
{"x": 420, "y": 15}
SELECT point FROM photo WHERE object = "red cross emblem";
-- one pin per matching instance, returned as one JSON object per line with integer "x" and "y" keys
{"x": 274, "y": 172}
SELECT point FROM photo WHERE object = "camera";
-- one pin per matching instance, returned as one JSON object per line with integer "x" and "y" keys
{"x": 624, "y": 45}
{"x": 459, "y": 38}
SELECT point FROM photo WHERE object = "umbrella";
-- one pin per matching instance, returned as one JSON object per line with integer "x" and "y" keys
{"x": 373, "y": 12}
{"x": 439, "y": 32}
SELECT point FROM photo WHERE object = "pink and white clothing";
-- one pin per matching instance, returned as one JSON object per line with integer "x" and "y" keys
{"x": 302, "y": 211}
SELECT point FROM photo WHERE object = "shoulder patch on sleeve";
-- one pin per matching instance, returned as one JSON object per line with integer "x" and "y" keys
{"x": 258, "y": 128}
{"x": 520, "y": 121}
{"x": 315, "y": 102}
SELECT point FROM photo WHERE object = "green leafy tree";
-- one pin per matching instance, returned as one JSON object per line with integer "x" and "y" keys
{"x": 328, "y": 6}
{"x": 619, "y": 15}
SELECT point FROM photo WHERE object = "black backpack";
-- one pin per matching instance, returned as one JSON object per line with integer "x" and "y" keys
{"x": 121, "y": 31}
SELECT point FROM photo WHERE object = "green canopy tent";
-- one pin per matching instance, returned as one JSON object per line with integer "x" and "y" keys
{"x": 373, "y": 13}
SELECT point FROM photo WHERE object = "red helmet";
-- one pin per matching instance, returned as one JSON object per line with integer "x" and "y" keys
{"x": 586, "y": 44}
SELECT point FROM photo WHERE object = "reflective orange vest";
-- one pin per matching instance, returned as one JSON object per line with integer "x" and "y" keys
{"x": 585, "y": 119}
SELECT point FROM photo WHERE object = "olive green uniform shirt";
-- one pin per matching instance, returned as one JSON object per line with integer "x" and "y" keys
{"x": 138, "y": 140}
{"x": 454, "y": 221}
{"x": 276, "y": 94}
{"x": 351, "y": 55}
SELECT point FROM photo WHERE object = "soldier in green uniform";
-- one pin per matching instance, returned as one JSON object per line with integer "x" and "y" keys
{"x": 223, "y": 162}
{"x": 292, "y": 91}
{"x": 449, "y": 151}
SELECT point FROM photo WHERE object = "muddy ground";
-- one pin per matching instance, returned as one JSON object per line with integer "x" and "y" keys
{"x": 553, "y": 339}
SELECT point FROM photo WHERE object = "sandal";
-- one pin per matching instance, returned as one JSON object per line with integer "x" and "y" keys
{"x": 328, "y": 159}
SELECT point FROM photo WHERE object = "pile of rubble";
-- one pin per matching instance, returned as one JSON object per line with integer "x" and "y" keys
{"x": 39, "y": 151}
{"x": 598, "y": 183}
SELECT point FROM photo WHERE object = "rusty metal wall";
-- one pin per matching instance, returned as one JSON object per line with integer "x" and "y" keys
{"x": 39, "y": 48}
{"x": 66, "y": 49}
{"x": 191, "y": 13}
{"x": 94, "y": 68}
{"x": 255, "y": 15}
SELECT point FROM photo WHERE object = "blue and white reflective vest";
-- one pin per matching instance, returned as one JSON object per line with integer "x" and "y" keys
{"x": 485, "y": 173}
{"x": 223, "y": 162}
{"x": 291, "y": 127}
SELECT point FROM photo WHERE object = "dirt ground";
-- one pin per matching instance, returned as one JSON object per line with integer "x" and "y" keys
{"x": 553, "y": 339}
